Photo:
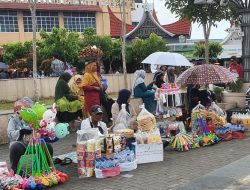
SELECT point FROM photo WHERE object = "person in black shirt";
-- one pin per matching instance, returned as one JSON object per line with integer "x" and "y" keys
{"x": 195, "y": 97}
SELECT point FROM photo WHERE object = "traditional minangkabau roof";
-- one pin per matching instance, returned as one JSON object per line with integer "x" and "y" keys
{"x": 50, "y": 7}
{"x": 155, "y": 16}
{"x": 116, "y": 25}
{"x": 180, "y": 27}
{"x": 145, "y": 16}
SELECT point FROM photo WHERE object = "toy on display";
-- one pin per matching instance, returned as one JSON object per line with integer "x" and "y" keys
{"x": 170, "y": 88}
{"x": 206, "y": 139}
{"x": 41, "y": 171}
{"x": 230, "y": 132}
{"x": 182, "y": 142}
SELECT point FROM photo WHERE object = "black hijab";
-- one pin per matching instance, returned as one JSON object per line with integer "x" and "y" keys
{"x": 123, "y": 97}
{"x": 158, "y": 80}
{"x": 62, "y": 87}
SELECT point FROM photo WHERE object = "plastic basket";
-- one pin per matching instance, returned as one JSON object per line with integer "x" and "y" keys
{"x": 107, "y": 172}
{"x": 128, "y": 166}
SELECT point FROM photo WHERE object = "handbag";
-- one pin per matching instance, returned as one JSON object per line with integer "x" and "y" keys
{"x": 103, "y": 96}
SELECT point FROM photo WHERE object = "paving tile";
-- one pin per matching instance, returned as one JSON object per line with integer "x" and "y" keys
{"x": 178, "y": 168}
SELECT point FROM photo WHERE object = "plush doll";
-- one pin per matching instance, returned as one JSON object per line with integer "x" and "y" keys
{"x": 210, "y": 124}
{"x": 48, "y": 121}
{"x": 61, "y": 130}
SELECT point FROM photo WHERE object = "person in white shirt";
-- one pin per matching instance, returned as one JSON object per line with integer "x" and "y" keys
{"x": 95, "y": 120}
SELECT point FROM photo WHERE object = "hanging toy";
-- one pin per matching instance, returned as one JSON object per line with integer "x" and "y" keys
{"x": 41, "y": 169}
{"x": 182, "y": 142}
{"x": 48, "y": 123}
{"x": 39, "y": 109}
{"x": 29, "y": 116}
{"x": 61, "y": 130}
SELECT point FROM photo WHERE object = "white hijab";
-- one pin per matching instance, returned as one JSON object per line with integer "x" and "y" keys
{"x": 139, "y": 77}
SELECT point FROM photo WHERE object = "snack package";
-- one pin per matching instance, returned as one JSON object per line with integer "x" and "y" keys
{"x": 146, "y": 120}
{"x": 123, "y": 120}
{"x": 88, "y": 148}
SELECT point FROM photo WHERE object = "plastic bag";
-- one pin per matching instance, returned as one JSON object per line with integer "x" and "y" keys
{"x": 216, "y": 109}
{"x": 198, "y": 107}
{"x": 123, "y": 120}
{"x": 87, "y": 134}
{"x": 146, "y": 120}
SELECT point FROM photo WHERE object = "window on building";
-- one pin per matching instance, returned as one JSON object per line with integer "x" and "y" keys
{"x": 45, "y": 20}
{"x": 78, "y": 22}
{"x": 8, "y": 21}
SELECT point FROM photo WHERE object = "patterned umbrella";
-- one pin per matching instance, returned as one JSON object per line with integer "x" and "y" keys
{"x": 206, "y": 74}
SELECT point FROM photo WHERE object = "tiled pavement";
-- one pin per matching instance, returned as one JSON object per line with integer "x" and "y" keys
{"x": 178, "y": 168}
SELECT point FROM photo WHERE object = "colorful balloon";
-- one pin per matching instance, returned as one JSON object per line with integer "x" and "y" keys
{"x": 39, "y": 109}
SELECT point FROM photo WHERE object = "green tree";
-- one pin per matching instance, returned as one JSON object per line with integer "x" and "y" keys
{"x": 103, "y": 42}
{"x": 205, "y": 14}
{"x": 15, "y": 51}
{"x": 59, "y": 42}
{"x": 140, "y": 49}
{"x": 111, "y": 48}
{"x": 215, "y": 48}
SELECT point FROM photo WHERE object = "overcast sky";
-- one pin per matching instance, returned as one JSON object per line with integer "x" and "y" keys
{"x": 166, "y": 17}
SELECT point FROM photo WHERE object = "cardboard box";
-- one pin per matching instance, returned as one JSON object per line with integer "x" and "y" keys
{"x": 146, "y": 153}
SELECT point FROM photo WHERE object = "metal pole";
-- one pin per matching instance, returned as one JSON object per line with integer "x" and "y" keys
{"x": 124, "y": 45}
{"x": 33, "y": 15}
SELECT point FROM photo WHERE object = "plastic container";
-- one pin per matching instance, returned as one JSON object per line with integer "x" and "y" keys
{"x": 107, "y": 172}
{"x": 128, "y": 166}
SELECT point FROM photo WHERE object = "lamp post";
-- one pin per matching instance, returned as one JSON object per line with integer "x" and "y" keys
{"x": 124, "y": 44}
{"x": 121, "y": 4}
{"x": 32, "y": 4}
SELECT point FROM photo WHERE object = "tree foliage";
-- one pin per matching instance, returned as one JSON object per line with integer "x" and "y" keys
{"x": 15, "y": 51}
{"x": 66, "y": 46}
{"x": 215, "y": 48}
{"x": 205, "y": 14}
{"x": 140, "y": 49}
{"x": 103, "y": 42}
{"x": 59, "y": 42}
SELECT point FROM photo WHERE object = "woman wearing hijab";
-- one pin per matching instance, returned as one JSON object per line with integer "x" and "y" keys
{"x": 68, "y": 105}
{"x": 123, "y": 98}
{"x": 74, "y": 83}
{"x": 91, "y": 85}
{"x": 140, "y": 90}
